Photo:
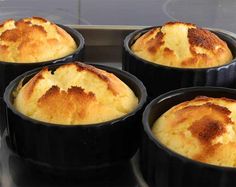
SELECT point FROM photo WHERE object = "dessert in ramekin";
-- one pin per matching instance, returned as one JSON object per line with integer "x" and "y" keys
{"x": 178, "y": 55}
{"x": 34, "y": 42}
{"x": 60, "y": 132}
{"x": 189, "y": 140}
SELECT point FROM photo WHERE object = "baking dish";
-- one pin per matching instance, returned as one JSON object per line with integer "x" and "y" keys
{"x": 161, "y": 166}
{"x": 81, "y": 148}
{"x": 159, "y": 79}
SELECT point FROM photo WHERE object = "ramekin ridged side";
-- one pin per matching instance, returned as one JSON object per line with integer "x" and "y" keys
{"x": 162, "y": 167}
{"x": 80, "y": 148}
{"x": 159, "y": 79}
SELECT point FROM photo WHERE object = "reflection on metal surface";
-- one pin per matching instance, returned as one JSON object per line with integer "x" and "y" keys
{"x": 137, "y": 172}
{"x": 206, "y": 13}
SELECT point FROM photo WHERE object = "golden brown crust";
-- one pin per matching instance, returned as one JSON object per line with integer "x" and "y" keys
{"x": 67, "y": 100}
{"x": 75, "y": 93}
{"x": 203, "y": 127}
{"x": 29, "y": 40}
{"x": 207, "y": 129}
{"x": 204, "y": 38}
{"x": 182, "y": 45}
{"x": 155, "y": 43}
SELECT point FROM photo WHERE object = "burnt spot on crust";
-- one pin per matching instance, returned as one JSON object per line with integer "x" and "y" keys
{"x": 206, "y": 129}
{"x": 203, "y": 38}
{"x": 74, "y": 91}
{"x": 155, "y": 43}
{"x": 60, "y": 102}
{"x": 53, "y": 91}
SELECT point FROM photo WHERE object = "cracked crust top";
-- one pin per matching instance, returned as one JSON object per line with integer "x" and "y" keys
{"x": 75, "y": 94}
{"x": 183, "y": 45}
{"x": 33, "y": 39}
{"x": 202, "y": 129}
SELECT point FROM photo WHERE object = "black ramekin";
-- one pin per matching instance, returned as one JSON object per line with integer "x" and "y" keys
{"x": 77, "y": 148}
{"x": 159, "y": 79}
{"x": 162, "y": 167}
{"x": 10, "y": 70}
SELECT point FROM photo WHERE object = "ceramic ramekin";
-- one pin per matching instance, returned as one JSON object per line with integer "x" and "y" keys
{"x": 163, "y": 167}
{"x": 159, "y": 79}
{"x": 78, "y": 148}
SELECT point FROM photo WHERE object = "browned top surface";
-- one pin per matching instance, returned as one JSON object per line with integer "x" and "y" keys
{"x": 183, "y": 45}
{"x": 204, "y": 127}
{"x": 75, "y": 93}
{"x": 204, "y": 38}
{"x": 33, "y": 40}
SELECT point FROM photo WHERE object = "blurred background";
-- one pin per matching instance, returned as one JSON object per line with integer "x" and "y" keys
{"x": 207, "y": 13}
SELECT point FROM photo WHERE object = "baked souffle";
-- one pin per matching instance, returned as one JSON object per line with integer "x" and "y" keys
{"x": 203, "y": 129}
{"x": 182, "y": 45}
{"x": 74, "y": 93}
{"x": 33, "y": 39}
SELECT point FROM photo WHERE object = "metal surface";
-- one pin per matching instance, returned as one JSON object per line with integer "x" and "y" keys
{"x": 103, "y": 43}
